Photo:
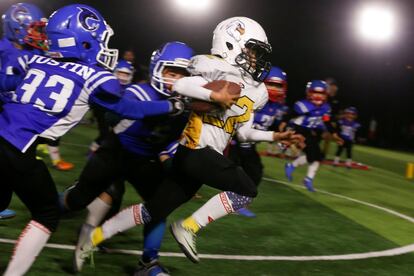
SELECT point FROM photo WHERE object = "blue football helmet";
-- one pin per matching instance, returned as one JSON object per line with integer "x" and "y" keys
{"x": 278, "y": 78}
{"x": 351, "y": 109}
{"x": 171, "y": 54}
{"x": 127, "y": 71}
{"x": 80, "y": 32}
{"x": 17, "y": 20}
{"x": 317, "y": 92}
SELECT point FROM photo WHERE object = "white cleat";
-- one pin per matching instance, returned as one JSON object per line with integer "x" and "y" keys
{"x": 84, "y": 247}
{"x": 186, "y": 239}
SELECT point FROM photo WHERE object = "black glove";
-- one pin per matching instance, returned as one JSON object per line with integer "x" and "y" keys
{"x": 177, "y": 106}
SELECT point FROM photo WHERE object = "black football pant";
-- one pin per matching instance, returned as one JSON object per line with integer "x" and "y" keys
{"x": 191, "y": 169}
{"x": 30, "y": 179}
{"x": 111, "y": 164}
{"x": 312, "y": 140}
{"x": 347, "y": 146}
{"x": 249, "y": 159}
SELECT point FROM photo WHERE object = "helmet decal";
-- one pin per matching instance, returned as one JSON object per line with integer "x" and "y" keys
{"x": 236, "y": 29}
{"x": 19, "y": 14}
{"x": 88, "y": 19}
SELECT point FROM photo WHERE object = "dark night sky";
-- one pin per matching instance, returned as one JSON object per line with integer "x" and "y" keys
{"x": 311, "y": 39}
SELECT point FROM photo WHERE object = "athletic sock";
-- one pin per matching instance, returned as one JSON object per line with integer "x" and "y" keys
{"x": 153, "y": 235}
{"x": 124, "y": 220}
{"x": 218, "y": 206}
{"x": 54, "y": 154}
{"x": 336, "y": 160}
{"x": 312, "y": 169}
{"x": 31, "y": 241}
{"x": 97, "y": 211}
{"x": 301, "y": 160}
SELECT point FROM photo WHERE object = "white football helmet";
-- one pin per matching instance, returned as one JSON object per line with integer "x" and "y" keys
{"x": 241, "y": 41}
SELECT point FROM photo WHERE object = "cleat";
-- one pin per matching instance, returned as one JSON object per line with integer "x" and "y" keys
{"x": 289, "y": 169}
{"x": 153, "y": 268}
{"x": 87, "y": 246}
{"x": 7, "y": 214}
{"x": 308, "y": 182}
{"x": 246, "y": 213}
{"x": 78, "y": 259}
{"x": 62, "y": 165}
{"x": 186, "y": 239}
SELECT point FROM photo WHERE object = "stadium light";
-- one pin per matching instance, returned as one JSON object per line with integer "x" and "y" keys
{"x": 376, "y": 23}
{"x": 193, "y": 5}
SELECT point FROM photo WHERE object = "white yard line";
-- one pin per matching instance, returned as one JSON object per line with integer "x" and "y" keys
{"x": 356, "y": 256}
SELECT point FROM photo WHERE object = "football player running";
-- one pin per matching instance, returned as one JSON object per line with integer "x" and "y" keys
{"x": 131, "y": 153}
{"x": 49, "y": 100}
{"x": 311, "y": 118}
{"x": 240, "y": 51}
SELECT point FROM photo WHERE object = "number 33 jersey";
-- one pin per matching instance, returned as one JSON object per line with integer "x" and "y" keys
{"x": 216, "y": 130}
{"x": 52, "y": 98}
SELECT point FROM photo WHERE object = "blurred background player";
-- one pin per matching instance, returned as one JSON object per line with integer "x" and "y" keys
{"x": 124, "y": 72}
{"x": 268, "y": 118}
{"x": 49, "y": 100}
{"x": 51, "y": 148}
{"x": 311, "y": 118}
{"x": 23, "y": 35}
{"x": 347, "y": 129}
{"x": 131, "y": 153}
{"x": 334, "y": 103}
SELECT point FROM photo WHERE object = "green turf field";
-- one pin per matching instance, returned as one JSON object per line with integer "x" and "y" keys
{"x": 290, "y": 222}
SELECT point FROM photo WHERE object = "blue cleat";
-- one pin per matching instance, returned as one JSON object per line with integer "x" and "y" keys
{"x": 246, "y": 213}
{"x": 7, "y": 213}
{"x": 308, "y": 182}
{"x": 154, "y": 268}
{"x": 289, "y": 169}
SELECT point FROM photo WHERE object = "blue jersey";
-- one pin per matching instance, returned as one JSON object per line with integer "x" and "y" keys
{"x": 348, "y": 129}
{"x": 54, "y": 96}
{"x": 151, "y": 135}
{"x": 270, "y": 115}
{"x": 310, "y": 115}
{"x": 12, "y": 62}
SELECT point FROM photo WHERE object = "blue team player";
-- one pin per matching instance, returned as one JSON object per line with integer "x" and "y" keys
{"x": 348, "y": 128}
{"x": 310, "y": 118}
{"x": 268, "y": 118}
{"x": 23, "y": 29}
{"x": 49, "y": 100}
{"x": 131, "y": 153}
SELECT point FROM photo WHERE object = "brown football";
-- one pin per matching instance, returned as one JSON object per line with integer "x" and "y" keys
{"x": 206, "y": 107}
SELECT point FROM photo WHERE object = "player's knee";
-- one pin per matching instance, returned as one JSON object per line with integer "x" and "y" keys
{"x": 48, "y": 217}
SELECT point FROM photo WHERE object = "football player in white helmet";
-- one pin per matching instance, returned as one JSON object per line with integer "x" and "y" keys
{"x": 240, "y": 55}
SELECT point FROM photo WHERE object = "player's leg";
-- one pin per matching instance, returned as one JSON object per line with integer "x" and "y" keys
{"x": 301, "y": 159}
{"x": 57, "y": 160}
{"x": 35, "y": 187}
{"x": 348, "y": 145}
{"x": 338, "y": 154}
{"x": 6, "y": 191}
{"x": 101, "y": 170}
{"x": 223, "y": 174}
{"x": 314, "y": 156}
{"x": 252, "y": 165}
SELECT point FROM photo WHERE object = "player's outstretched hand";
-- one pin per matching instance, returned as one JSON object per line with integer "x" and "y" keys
{"x": 224, "y": 97}
{"x": 338, "y": 139}
{"x": 289, "y": 137}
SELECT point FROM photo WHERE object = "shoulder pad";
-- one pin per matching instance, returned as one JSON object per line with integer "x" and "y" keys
{"x": 208, "y": 66}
